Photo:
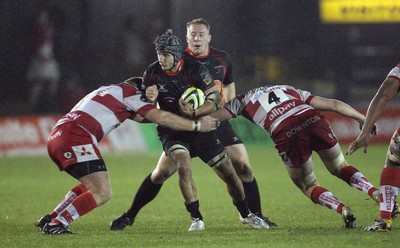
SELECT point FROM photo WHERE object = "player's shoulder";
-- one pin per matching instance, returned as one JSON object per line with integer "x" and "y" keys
{"x": 190, "y": 62}
{"x": 216, "y": 51}
{"x": 152, "y": 70}
{"x": 153, "y": 66}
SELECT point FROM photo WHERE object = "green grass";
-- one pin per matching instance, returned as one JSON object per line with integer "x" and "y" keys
{"x": 32, "y": 187}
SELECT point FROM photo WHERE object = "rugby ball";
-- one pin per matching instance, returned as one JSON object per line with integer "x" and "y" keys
{"x": 194, "y": 96}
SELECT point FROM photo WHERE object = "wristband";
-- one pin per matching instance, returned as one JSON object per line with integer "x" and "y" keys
{"x": 196, "y": 126}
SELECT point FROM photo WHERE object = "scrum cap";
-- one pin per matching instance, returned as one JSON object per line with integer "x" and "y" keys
{"x": 169, "y": 43}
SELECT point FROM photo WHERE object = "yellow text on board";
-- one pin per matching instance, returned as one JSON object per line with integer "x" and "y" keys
{"x": 359, "y": 11}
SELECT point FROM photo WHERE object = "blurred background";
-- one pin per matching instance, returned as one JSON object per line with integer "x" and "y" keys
{"x": 53, "y": 52}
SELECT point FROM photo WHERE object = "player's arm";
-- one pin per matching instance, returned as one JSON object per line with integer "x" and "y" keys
{"x": 386, "y": 92}
{"x": 229, "y": 91}
{"x": 213, "y": 97}
{"x": 152, "y": 93}
{"x": 334, "y": 105}
{"x": 172, "y": 121}
{"x": 138, "y": 118}
{"x": 211, "y": 103}
{"x": 222, "y": 114}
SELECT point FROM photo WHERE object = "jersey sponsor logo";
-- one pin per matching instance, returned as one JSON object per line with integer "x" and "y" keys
{"x": 161, "y": 88}
{"x": 206, "y": 76}
{"x": 84, "y": 153}
{"x": 302, "y": 126}
{"x": 57, "y": 134}
{"x": 281, "y": 110}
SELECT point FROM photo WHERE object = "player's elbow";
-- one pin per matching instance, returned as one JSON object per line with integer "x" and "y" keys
{"x": 162, "y": 118}
{"x": 335, "y": 105}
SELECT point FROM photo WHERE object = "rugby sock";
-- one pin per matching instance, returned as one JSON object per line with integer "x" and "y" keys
{"x": 325, "y": 198}
{"x": 80, "y": 206}
{"x": 253, "y": 197}
{"x": 146, "y": 193}
{"x": 357, "y": 180}
{"x": 389, "y": 190}
{"x": 71, "y": 195}
{"x": 242, "y": 207}
{"x": 193, "y": 209}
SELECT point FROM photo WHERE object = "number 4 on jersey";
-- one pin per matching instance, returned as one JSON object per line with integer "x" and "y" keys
{"x": 273, "y": 98}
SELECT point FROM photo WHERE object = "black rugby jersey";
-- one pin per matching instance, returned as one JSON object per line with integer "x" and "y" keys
{"x": 172, "y": 85}
{"x": 218, "y": 63}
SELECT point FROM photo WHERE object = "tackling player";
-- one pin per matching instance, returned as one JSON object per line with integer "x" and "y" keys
{"x": 390, "y": 176}
{"x": 292, "y": 118}
{"x": 72, "y": 145}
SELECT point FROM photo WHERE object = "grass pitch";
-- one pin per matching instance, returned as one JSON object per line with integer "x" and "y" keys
{"x": 32, "y": 187}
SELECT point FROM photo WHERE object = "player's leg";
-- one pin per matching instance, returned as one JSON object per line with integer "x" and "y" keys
{"x": 222, "y": 165}
{"x": 179, "y": 155}
{"x": 94, "y": 176}
{"x": 304, "y": 178}
{"x": 335, "y": 162}
{"x": 241, "y": 163}
{"x": 90, "y": 171}
{"x": 389, "y": 187}
{"x": 69, "y": 197}
{"x": 147, "y": 191}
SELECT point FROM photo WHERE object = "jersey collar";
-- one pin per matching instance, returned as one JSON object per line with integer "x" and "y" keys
{"x": 174, "y": 73}
{"x": 188, "y": 51}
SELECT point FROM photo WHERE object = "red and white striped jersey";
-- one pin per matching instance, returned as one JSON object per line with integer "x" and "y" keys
{"x": 395, "y": 72}
{"x": 271, "y": 106}
{"x": 106, "y": 108}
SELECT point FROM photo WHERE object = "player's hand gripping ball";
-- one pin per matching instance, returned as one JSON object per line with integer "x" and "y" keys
{"x": 194, "y": 96}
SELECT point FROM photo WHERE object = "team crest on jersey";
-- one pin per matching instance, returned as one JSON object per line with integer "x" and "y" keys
{"x": 102, "y": 92}
{"x": 68, "y": 155}
{"x": 84, "y": 153}
{"x": 206, "y": 77}
{"x": 219, "y": 69}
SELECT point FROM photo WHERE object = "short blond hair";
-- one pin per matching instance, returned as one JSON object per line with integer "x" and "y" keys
{"x": 198, "y": 21}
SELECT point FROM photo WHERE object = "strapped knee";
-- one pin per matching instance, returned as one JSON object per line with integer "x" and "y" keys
{"x": 218, "y": 160}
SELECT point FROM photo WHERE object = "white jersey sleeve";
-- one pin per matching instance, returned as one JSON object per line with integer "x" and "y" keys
{"x": 106, "y": 108}
{"x": 395, "y": 72}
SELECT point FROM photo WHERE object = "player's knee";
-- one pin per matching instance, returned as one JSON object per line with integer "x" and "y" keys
{"x": 336, "y": 165}
{"x": 243, "y": 170}
{"x": 161, "y": 175}
{"x": 218, "y": 160}
{"x": 102, "y": 196}
{"x": 306, "y": 184}
{"x": 393, "y": 154}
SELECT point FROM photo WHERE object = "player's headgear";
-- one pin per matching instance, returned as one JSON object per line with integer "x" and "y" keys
{"x": 169, "y": 43}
